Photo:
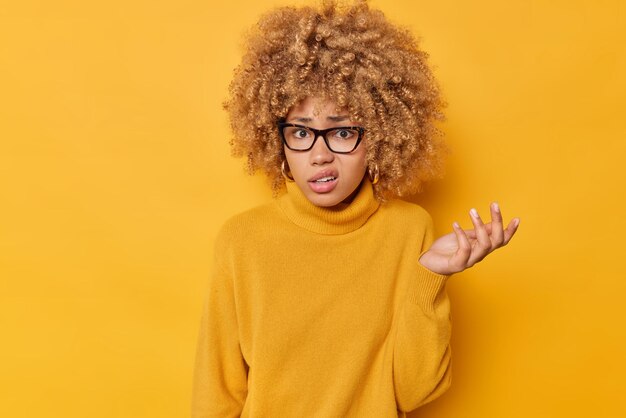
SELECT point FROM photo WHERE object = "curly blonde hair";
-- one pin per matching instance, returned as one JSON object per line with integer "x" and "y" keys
{"x": 353, "y": 56}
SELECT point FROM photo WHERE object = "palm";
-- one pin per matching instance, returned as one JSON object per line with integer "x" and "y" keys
{"x": 461, "y": 249}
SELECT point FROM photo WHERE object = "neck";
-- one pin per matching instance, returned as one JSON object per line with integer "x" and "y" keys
{"x": 342, "y": 218}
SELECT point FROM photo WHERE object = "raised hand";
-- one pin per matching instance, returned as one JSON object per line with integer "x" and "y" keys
{"x": 461, "y": 249}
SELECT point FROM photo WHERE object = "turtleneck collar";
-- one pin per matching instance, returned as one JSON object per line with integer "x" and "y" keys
{"x": 328, "y": 221}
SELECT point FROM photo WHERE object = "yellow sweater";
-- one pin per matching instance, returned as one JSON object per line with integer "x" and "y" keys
{"x": 322, "y": 313}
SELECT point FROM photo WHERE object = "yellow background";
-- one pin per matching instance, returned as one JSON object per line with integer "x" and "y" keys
{"x": 115, "y": 176}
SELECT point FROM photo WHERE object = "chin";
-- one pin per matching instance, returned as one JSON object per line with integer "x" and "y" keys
{"x": 325, "y": 200}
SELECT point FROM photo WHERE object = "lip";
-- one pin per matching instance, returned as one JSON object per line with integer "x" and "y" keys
{"x": 324, "y": 173}
{"x": 325, "y": 187}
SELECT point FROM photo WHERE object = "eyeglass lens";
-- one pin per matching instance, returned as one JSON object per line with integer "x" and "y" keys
{"x": 340, "y": 139}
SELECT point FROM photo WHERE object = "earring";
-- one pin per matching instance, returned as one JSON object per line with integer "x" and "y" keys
{"x": 373, "y": 175}
{"x": 286, "y": 174}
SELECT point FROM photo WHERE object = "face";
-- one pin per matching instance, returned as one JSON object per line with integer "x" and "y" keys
{"x": 320, "y": 162}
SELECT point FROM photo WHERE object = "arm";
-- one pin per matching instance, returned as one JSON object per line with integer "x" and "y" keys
{"x": 421, "y": 361}
{"x": 422, "y": 350}
{"x": 220, "y": 373}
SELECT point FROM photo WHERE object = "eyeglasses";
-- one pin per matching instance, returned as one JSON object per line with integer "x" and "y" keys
{"x": 340, "y": 140}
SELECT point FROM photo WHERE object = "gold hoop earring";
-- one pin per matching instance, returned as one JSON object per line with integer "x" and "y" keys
{"x": 286, "y": 174}
{"x": 374, "y": 175}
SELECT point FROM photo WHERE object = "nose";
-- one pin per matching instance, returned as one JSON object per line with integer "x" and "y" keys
{"x": 320, "y": 153}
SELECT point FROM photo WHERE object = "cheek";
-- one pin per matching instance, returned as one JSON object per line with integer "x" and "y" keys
{"x": 294, "y": 161}
{"x": 361, "y": 158}
{"x": 289, "y": 157}
{"x": 357, "y": 166}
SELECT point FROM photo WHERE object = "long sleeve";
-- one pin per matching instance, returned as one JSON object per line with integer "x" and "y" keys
{"x": 220, "y": 374}
{"x": 421, "y": 363}
{"x": 306, "y": 315}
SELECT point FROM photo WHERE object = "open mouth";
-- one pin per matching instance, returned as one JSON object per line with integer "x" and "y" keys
{"x": 325, "y": 179}
{"x": 324, "y": 184}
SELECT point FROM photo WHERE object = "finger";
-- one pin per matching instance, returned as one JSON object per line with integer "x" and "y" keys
{"x": 459, "y": 259}
{"x": 510, "y": 230}
{"x": 471, "y": 233}
{"x": 482, "y": 246}
{"x": 496, "y": 233}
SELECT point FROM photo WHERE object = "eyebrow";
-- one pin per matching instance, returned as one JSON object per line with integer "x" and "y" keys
{"x": 339, "y": 118}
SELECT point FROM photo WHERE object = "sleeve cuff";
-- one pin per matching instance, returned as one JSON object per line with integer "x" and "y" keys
{"x": 426, "y": 288}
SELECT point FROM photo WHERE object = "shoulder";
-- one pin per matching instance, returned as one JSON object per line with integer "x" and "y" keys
{"x": 247, "y": 221}
{"x": 410, "y": 220}
{"x": 249, "y": 227}
{"x": 406, "y": 212}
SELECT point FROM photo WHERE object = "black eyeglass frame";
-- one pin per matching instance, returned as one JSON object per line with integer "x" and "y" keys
{"x": 318, "y": 133}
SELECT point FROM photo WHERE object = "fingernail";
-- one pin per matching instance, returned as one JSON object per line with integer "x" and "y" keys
{"x": 496, "y": 206}
{"x": 516, "y": 222}
{"x": 456, "y": 225}
{"x": 474, "y": 213}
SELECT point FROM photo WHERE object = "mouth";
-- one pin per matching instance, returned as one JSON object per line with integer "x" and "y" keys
{"x": 324, "y": 181}
{"x": 324, "y": 176}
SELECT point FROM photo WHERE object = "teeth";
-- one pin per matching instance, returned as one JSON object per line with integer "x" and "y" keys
{"x": 324, "y": 179}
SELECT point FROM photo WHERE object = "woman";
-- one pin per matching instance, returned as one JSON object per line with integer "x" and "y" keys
{"x": 330, "y": 301}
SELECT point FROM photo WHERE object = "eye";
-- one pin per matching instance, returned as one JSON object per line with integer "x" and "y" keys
{"x": 301, "y": 133}
{"x": 344, "y": 133}
{"x": 297, "y": 133}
